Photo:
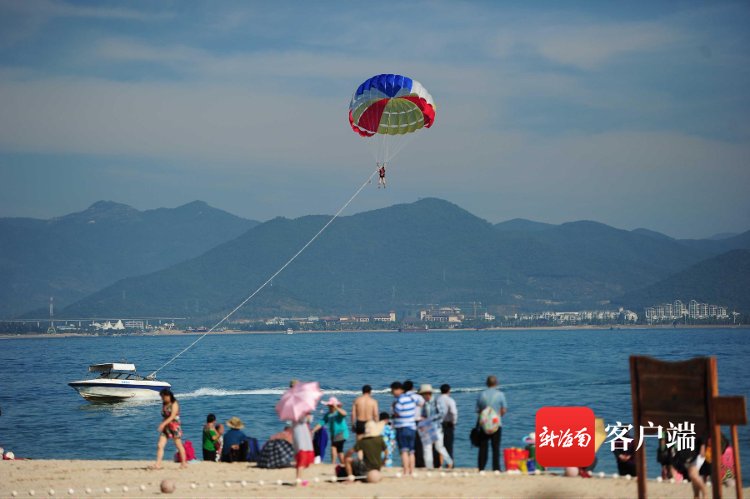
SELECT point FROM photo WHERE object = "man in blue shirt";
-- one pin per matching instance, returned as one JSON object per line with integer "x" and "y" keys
{"x": 405, "y": 423}
{"x": 493, "y": 400}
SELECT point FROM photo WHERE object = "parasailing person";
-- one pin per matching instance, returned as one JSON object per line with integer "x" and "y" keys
{"x": 381, "y": 174}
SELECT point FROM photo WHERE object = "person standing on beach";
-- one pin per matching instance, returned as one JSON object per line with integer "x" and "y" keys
{"x": 491, "y": 407}
{"x": 364, "y": 409}
{"x": 431, "y": 431}
{"x": 304, "y": 452}
{"x": 447, "y": 406}
{"x": 409, "y": 389}
{"x": 169, "y": 429}
{"x": 210, "y": 437}
{"x": 405, "y": 423}
{"x": 335, "y": 423}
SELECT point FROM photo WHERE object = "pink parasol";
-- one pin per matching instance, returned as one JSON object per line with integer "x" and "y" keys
{"x": 299, "y": 400}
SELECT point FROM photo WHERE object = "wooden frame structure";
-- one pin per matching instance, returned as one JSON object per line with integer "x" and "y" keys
{"x": 684, "y": 391}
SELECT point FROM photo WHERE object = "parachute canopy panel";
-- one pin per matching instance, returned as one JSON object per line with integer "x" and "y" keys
{"x": 390, "y": 104}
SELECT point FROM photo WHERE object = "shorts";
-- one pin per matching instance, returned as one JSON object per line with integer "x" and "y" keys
{"x": 339, "y": 445}
{"x": 172, "y": 431}
{"x": 359, "y": 469}
{"x": 304, "y": 458}
{"x": 209, "y": 455}
{"x": 359, "y": 427}
{"x": 406, "y": 438}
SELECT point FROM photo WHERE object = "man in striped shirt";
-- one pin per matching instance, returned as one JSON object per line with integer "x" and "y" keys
{"x": 405, "y": 423}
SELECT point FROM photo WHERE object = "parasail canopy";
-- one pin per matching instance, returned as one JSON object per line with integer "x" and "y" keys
{"x": 390, "y": 104}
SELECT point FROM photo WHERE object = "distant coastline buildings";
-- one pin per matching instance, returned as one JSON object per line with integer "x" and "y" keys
{"x": 677, "y": 310}
{"x": 620, "y": 316}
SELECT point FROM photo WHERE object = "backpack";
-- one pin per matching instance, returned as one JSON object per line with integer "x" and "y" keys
{"x": 474, "y": 436}
{"x": 253, "y": 450}
{"x": 489, "y": 420}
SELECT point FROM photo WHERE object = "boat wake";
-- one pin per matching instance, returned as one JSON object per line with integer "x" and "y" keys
{"x": 219, "y": 392}
{"x": 277, "y": 391}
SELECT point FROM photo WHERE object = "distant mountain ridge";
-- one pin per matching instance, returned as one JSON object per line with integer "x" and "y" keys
{"x": 718, "y": 243}
{"x": 399, "y": 257}
{"x": 720, "y": 280}
{"x": 522, "y": 224}
{"x": 71, "y": 256}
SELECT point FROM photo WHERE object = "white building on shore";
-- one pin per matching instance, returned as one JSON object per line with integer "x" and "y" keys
{"x": 677, "y": 310}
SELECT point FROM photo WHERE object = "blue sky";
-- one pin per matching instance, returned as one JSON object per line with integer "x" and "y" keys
{"x": 630, "y": 113}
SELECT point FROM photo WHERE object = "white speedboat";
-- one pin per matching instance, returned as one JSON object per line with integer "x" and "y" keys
{"x": 118, "y": 382}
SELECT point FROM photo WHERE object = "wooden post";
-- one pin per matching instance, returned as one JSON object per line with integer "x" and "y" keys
{"x": 712, "y": 390}
{"x": 640, "y": 454}
{"x": 731, "y": 411}
{"x": 737, "y": 467}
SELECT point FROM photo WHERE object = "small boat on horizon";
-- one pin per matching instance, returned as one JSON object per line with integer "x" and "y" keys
{"x": 118, "y": 382}
{"x": 290, "y": 331}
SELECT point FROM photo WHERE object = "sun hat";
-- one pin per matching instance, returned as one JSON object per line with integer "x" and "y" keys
{"x": 529, "y": 439}
{"x": 374, "y": 429}
{"x": 9, "y": 456}
{"x": 332, "y": 401}
{"x": 235, "y": 423}
{"x": 425, "y": 388}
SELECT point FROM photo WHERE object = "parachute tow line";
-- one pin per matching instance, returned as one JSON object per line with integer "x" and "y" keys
{"x": 268, "y": 281}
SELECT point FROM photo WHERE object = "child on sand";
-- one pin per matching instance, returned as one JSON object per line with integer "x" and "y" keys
{"x": 219, "y": 443}
{"x": 304, "y": 453}
{"x": 389, "y": 437}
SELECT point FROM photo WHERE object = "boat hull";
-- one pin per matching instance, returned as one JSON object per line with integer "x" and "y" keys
{"x": 107, "y": 390}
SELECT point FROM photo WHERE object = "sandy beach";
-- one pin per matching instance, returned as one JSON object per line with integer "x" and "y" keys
{"x": 132, "y": 479}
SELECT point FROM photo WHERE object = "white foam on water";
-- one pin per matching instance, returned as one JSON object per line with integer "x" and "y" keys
{"x": 220, "y": 392}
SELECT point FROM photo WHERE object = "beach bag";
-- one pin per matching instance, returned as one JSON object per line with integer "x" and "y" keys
{"x": 276, "y": 454}
{"x": 189, "y": 452}
{"x": 489, "y": 420}
{"x": 253, "y": 450}
{"x": 475, "y": 437}
{"x": 515, "y": 458}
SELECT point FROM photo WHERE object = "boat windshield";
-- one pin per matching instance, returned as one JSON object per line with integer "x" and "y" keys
{"x": 118, "y": 375}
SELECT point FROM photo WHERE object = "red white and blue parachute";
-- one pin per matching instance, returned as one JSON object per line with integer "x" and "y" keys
{"x": 389, "y": 108}
{"x": 390, "y": 104}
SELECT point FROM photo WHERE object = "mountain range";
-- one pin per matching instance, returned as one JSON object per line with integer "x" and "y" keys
{"x": 409, "y": 255}
{"x": 721, "y": 280}
{"x": 72, "y": 256}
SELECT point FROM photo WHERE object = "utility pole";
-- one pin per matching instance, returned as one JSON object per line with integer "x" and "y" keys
{"x": 51, "y": 329}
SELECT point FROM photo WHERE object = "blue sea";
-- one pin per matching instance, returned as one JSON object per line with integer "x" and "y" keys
{"x": 244, "y": 375}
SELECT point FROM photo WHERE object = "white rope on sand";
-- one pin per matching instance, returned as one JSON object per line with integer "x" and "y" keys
{"x": 319, "y": 479}
{"x": 268, "y": 281}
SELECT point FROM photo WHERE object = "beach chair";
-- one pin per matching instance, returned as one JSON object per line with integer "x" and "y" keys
{"x": 685, "y": 391}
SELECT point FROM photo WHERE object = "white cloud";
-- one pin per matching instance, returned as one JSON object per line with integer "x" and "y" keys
{"x": 51, "y": 8}
{"x": 587, "y": 45}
